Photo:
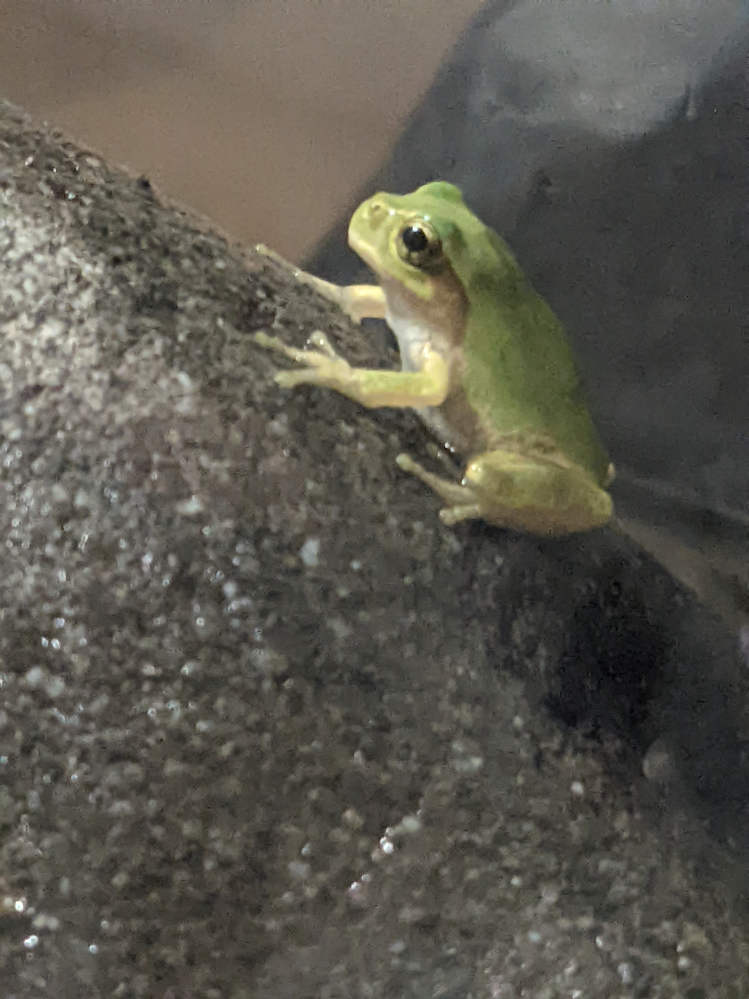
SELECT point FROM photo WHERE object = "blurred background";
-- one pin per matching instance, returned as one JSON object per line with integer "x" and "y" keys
{"x": 264, "y": 115}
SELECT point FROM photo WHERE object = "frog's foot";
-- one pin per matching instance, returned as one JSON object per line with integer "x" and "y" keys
{"x": 463, "y": 502}
{"x": 358, "y": 301}
{"x": 325, "y": 288}
{"x": 326, "y": 367}
{"x": 369, "y": 387}
{"x": 265, "y": 251}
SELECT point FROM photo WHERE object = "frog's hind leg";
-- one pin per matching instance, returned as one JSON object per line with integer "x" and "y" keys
{"x": 533, "y": 494}
{"x": 462, "y": 502}
{"x": 539, "y": 494}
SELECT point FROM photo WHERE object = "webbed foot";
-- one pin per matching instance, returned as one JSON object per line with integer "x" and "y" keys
{"x": 324, "y": 366}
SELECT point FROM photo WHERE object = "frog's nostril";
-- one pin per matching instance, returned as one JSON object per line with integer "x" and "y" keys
{"x": 377, "y": 212}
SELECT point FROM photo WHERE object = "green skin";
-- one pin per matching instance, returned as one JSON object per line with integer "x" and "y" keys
{"x": 485, "y": 362}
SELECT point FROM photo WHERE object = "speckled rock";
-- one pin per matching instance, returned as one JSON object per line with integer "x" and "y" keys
{"x": 267, "y": 728}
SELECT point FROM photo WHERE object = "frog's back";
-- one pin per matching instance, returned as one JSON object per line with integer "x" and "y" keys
{"x": 521, "y": 372}
{"x": 520, "y": 379}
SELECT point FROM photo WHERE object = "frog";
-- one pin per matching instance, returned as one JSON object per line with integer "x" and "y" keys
{"x": 484, "y": 361}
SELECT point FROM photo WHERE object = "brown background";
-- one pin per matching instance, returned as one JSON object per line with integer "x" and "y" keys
{"x": 265, "y": 116}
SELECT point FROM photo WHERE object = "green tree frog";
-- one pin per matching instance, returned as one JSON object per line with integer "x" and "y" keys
{"x": 484, "y": 361}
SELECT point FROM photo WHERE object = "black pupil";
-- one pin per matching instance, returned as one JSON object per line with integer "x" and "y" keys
{"x": 415, "y": 239}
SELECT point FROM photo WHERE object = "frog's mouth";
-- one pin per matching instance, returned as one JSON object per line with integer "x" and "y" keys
{"x": 364, "y": 250}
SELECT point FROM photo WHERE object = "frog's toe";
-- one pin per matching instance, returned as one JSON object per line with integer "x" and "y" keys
{"x": 451, "y": 492}
{"x": 406, "y": 463}
{"x": 451, "y": 515}
{"x": 321, "y": 342}
{"x": 262, "y": 339}
{"x": 290, "y": 379}
{"x": 321, "y": 370}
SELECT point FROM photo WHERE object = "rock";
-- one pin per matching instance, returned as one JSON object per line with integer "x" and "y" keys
{"x": 269, "y": 728}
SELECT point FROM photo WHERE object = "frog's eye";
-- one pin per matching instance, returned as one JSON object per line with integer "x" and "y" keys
{"x": 419, "y": 245}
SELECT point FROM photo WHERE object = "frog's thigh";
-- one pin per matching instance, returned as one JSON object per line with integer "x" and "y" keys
{"x": 534, "y": 495}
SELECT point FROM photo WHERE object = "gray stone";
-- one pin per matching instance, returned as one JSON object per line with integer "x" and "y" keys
{"x": 410, "y": 765}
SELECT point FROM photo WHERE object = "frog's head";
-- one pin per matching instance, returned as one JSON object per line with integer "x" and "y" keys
{"x": 402, "y": 237}
{"x": 423, "y": 239}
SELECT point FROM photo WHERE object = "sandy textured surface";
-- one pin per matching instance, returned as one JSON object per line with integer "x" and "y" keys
{"x": 266, "y": 727}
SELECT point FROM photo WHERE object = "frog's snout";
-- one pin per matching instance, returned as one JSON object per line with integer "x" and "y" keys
{"x": 375, "y": 213}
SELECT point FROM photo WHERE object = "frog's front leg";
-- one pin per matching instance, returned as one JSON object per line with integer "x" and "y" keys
{"x": 531, "y": 494}
{"x": 428, "y": 386}
{"x": 358, "y": 301}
